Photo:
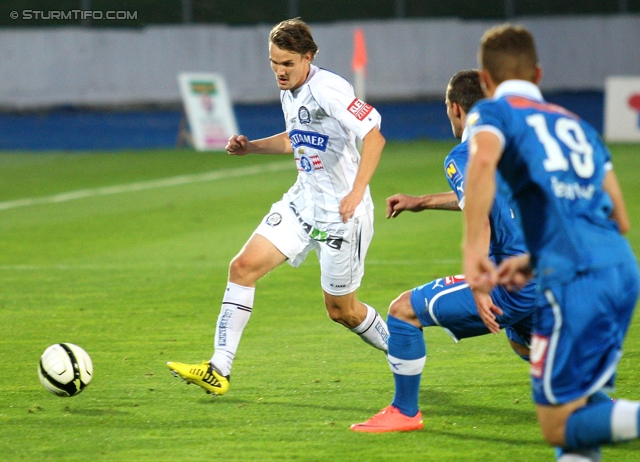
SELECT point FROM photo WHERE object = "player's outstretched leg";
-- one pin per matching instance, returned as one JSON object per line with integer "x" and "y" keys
{"x": 358, "y": 317}
{"x": 407, "y": 356}
{"x": 214, "y": 375}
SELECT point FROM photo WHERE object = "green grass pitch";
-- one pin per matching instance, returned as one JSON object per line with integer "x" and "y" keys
{"x": 136, "y": 276}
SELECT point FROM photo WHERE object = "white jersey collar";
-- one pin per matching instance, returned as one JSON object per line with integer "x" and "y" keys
{"x": 312, "y": 70}
{"x": 520, "y": 88}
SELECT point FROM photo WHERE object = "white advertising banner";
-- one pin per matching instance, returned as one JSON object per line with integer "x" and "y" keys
{"x": 208, "y": 107}
{"x": 622, "y": 109}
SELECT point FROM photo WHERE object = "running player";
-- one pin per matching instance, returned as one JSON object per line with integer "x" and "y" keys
{"x": 573, "y": 213}
{"x": 449, "y": 302}
{"x": 329, "y": 208}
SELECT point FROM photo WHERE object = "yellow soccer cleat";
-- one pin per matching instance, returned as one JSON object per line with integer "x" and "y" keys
{"x": 203, "y": 375}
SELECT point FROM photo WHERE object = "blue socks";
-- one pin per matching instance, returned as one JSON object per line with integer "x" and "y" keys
{"x": 602, "y": 422}
{"x": 407, "y": 356}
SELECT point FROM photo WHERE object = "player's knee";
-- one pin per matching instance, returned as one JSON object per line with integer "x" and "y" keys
{"x": 335, "y": 314}
{"x": 238, "y": 266}
{"x": 553, "y": 422}
{"x": 553, "y": 436}
{"x": 242, "y": 270}
{"x": 343, "y": 311}
{"x": 401, "y": 308}
{"x": 338, "y": 313}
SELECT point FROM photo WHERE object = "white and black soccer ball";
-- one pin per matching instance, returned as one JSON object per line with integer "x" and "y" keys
{"x": 65, "y": 369}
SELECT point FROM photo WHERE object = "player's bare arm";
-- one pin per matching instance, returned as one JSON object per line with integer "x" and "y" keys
{"x": 619, "y": 214}
{"x": 484, "y": 303}
{"x": 398, "y": 203}
{"x": 372, "y": 146}
{"x": 239, "y": 145}
{"x": 485, "y": 150}
{"x": 515, "y": 272}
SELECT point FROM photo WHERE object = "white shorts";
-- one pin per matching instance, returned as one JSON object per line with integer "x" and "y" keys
{"x": 341, "y": 247}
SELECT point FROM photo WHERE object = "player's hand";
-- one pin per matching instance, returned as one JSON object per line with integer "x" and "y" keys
{"x": 348, "y": 205}
{"x": 479, "y": 270}
{"x": 515, "y": 272}
{"x": 400, "y": 202}
{"x": 237, "y": 145}
{"x": 487, "y": 310}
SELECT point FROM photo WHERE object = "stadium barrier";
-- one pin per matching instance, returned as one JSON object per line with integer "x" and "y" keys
{"x": 622, "y": 109}
{"x": 68, "y": 128}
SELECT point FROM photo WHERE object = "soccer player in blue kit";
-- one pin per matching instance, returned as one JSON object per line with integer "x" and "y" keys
{"x": 573, "y": 213}
{"x": 449, "y": 302}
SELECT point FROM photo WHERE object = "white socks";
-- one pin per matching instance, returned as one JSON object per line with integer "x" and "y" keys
{"x": 234, "y": 316}
{"x": 373, "y": 330}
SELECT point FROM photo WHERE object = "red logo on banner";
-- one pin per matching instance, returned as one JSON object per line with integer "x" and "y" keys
{"x": 634, "y": 103}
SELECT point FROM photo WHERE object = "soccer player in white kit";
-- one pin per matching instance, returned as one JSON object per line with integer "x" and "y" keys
{"x": 329, "y": 208}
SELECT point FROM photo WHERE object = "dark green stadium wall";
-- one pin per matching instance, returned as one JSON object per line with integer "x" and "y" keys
{"x": 246, "y": 12}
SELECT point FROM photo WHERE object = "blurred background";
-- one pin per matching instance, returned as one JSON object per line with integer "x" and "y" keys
{"x": 98, "y": 74}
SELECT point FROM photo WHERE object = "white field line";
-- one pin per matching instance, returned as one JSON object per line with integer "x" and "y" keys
{"x": 145, "y": 185}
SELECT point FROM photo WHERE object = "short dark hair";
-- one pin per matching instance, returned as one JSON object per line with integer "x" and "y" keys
{"x": 294, "y": 35}
{"x": 508, "y": 52}
{"x": 464, "y": 89}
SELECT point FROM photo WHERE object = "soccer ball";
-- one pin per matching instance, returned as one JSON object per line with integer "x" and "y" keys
{"x": 65, "y": 369}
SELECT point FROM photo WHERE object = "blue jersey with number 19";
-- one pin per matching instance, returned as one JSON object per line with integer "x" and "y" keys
{"x": 555, "y": 164}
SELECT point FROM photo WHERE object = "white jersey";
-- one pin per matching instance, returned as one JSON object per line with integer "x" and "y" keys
{"x": 323, "y": 119}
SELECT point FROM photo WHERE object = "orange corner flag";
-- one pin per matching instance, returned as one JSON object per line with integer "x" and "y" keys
{"x": 359, "y": 63}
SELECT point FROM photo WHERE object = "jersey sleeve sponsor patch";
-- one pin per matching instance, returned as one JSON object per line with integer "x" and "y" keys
{"x": 453, "y": 172}
{"x": 472, "y": 119}
{"x": 359, "y": 109}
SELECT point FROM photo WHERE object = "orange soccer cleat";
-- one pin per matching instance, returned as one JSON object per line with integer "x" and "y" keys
{"x": 390, "y": 419}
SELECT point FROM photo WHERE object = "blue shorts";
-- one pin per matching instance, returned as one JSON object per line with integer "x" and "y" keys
{"x": 579, "y": 329}
{"x": 448, "y": 303}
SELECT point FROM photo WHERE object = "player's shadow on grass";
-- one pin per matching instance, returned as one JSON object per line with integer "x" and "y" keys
{"x": 94, "y": 412}
{"x": 441, "y": 404}
{"x": 468, "y": 435}
{"x": 276, "y": 401}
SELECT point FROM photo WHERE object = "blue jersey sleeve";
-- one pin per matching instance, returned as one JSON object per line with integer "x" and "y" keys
{"x": 455, "y": 165}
